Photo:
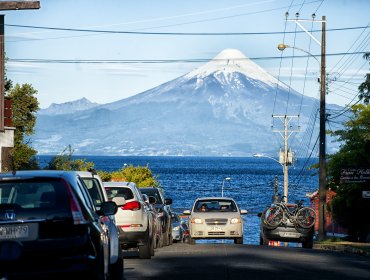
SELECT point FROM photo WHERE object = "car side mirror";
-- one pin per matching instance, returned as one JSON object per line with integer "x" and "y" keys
{"x": 120, "y": 201}
{"x": 259, "y": 215}
{"x": 168, "y": 201}
{"x": 152, "y": 200}
{"x": 186, "y": 212}
{"x": 242, "y": 211}
{"x": 108, "y": 208}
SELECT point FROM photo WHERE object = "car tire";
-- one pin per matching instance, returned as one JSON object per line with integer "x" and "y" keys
{"x": 152, "y": 241}
{"x": 166, "y": 242}
{"x": 238, "y": 240}
{"x": 191, "y": 241}
{"x": 170, "y": 238}
{"x": 144, "y": 250}
{"x": 308, "y": 244}
{"x": 116, "y": 269}
{"x": 160, "y": 241}
{"x": 265, "y": 241}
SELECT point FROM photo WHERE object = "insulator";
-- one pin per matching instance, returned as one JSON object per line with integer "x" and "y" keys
{"x": 313, "y": 15}
{"x": 296, "y": 15}
{"x": 286, "y": 14}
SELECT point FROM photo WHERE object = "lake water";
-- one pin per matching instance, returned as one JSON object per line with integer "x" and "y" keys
{"x": 186, "y": 178}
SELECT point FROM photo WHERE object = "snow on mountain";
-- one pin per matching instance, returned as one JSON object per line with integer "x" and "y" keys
{"x": 231, "y": 61}
{"x": 221, "y": 108}
{"x": 68, "y": 107}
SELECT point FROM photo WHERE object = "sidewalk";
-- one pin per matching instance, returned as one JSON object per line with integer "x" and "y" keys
{"x": 345, "y": 246}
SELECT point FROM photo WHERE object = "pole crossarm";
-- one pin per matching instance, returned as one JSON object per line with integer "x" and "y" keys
{"x": 19, "y": 5}
{"x": 297, "y": 21}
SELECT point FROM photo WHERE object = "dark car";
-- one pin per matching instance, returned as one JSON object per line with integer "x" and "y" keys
{"x": 49, "y": 225}
{"x": 98, "y": 195}
{"x": 162, "y": 205}
{"x": 286, "y": 232}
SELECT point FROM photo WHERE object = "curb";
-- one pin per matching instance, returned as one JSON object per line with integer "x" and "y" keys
{"x": 342, "y": 248}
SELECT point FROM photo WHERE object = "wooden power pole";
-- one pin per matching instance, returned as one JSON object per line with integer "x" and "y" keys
{"x": 9, "y": 5}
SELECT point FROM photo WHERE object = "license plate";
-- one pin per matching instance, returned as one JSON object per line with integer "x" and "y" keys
{"x": 217, "y": 229}
{"x": 13, "y": 232}
{"x": 290, "y": 234}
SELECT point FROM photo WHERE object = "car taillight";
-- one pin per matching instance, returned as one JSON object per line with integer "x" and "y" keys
{"x": 78, "y": 217}
{"x": 132, "y": 205}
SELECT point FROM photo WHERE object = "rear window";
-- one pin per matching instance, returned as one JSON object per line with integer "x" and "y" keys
{"x": 113, "y": 192}
{"x": 34, "y": 194}
{"x": 153, "y": 193}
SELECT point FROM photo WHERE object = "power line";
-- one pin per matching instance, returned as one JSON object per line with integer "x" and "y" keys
{"x": 176, "y": 33}
{"x": 155, "y": 61}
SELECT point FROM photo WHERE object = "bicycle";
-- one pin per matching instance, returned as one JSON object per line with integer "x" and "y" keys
{"x": 300, "y": 216}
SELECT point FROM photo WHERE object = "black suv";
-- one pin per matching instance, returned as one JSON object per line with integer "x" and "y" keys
{"x": 163, "y": 207}
{"x": 49, "y": 224}
{"x": 286, "y": 232}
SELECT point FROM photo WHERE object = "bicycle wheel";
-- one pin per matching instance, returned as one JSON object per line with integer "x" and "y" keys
{"x": 273, "y": 217}
{"x": 306, "y": 217}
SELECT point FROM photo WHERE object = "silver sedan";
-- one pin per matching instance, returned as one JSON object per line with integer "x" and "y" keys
{"x": 215, "y": 218}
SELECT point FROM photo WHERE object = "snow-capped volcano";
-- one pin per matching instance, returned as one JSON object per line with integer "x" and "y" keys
{"x": 231, "y": 61}
{"x": 222, "y": 108}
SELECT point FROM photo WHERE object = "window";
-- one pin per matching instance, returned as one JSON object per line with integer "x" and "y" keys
{"x": 112, "y": 192}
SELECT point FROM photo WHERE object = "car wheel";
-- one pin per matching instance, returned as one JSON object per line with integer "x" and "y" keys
{"x": 307, "y": 244}
{"x": 166, "y": 242}
{"x": 191, "y": 241}
{"x": 97, "y": 272}
{"x": 170, "y": 238}
{"x": 265, "y": 241}
{"x": 144, "y": 250}
{"x": 152, "y": 241}
{"x": 238, "y": 240}
{"x": 116, "y": 269}
{"x": 160, "y": 241}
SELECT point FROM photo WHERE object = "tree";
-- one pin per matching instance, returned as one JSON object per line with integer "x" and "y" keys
{"x": 141, "y": 175}
{"x": 349, "y": 206}
{"x": 64, "y": 161}
{"x": 25, "y": 106}
{"x": 364, "y": 88}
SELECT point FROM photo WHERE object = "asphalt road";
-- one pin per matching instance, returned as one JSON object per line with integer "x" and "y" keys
{"x": 229, "y": 261}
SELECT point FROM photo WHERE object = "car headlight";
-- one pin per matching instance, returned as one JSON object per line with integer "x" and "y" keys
{"x": 176, "y": 228}
{"x": 196, "y": 221}
{"x": 235, "y": 221}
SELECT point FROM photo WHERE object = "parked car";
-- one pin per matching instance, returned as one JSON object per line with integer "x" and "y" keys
{"x": 133, "y": 219}
{"x": 156, "y": 221}
{"x": 215, "y": 218}
{"x": 49, "y": 225}
{"x": 162, "y": 205}
{"x": 177, "y": 228}
{"x": 98, "y": 194}
{"x": 286, "y": 232}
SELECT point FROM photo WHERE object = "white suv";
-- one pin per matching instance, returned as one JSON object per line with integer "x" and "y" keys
{"x": 132, "y": 218}
{"x": 215, "y": 218}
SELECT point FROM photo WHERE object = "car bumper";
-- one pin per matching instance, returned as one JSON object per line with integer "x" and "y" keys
{"x": 176, "y": 235}
{"x": 130, "y": 239}
{"x": 203, "y": 231}
{"x": 288, "y": 234}
{"x": 45, "y": 257}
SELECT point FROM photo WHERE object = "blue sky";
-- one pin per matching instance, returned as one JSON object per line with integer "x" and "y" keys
{"x": 108, "y": 82}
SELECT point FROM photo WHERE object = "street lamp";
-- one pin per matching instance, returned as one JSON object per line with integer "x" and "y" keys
{"x": 282, "y": 47}
{"x": 322, "y": 136}
{"x": 223, "y": 182}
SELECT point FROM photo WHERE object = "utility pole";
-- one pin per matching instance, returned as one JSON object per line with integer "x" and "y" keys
{"x": 322, "y": 138}
{"x": 9, "y": 5}
{"x": 286, "y": 156}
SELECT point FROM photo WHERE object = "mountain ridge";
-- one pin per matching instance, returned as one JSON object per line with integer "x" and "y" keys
{"x": 209, "y": 111}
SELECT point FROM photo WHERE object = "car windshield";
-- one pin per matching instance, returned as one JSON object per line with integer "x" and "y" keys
{"x": 113, "y": 192}
{"x": 215, "y": 205}
{"x": 153, "y": 193}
